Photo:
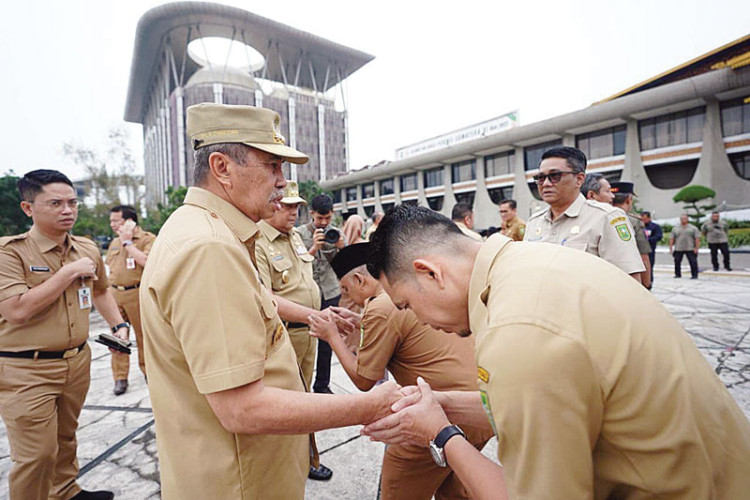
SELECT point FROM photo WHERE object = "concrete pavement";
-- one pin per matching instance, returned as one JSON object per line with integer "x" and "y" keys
{"x": 117, "y": 448}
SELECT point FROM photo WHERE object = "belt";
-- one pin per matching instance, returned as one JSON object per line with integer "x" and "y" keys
{"x": 44, "y": 354}
{"x": 123, "y": 288}
{"x": 294, "y": 325}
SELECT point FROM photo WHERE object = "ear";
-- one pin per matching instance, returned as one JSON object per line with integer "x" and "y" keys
{"x": 430, "y": 271}
{"x": 26, "y": 207}
{"x": 218, "y": 164}
{"x": 590, "y": 195}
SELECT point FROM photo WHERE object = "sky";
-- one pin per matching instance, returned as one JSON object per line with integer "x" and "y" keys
{"x": 438, "y": 66}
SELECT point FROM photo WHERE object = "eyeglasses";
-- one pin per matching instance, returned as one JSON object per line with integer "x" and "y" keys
{"x": 554, "y": 177}
{"x": 58, "y": 204}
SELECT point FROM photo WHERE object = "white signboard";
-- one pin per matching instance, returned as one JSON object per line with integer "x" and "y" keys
{"x": 477, "y": 131}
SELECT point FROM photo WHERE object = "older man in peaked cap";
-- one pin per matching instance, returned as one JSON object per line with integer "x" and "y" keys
{"x": 232, "y": 415}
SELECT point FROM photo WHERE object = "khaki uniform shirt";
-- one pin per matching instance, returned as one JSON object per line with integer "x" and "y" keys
{"x": 468, "y": 232}
{"x": 641, "y": 241}
{"x": 322, "y": 270}
{"x": 397, "y": 340}
{"x": 684, "y": 237}
{"x": 210, "y": 325}
{"x": 715, "y": 232}
{"x": 515, "y": 229}
{"x": 596, "y": 228}
{"x": 593, "y": 388}
{"x": 30, "y": 259}
{"x": 285, "y": 266}
{"x": 117, "y": 258}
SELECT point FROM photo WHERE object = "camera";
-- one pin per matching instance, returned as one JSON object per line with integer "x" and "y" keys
{"x": 331, "y": 235}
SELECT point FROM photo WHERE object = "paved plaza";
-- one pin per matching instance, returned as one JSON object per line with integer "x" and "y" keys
{"x": 117, "y": 448}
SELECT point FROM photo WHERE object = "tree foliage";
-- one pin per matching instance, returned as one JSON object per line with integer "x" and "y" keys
{"x": 156, "y": 218}
{"x": 12, "y": 218}
{"x": 691, "y": 196}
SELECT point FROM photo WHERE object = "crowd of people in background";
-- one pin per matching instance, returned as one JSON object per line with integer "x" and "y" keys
{"x": 557, "y": 349}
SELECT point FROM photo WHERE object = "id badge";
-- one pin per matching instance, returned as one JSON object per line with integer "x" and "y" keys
{"x": 84, "y": 298}
{"x": 301, "y": 250}
{"x": 130, "y": 263}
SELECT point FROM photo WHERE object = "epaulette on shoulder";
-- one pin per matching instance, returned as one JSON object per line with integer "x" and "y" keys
{"x": 537, "y": 214}
{"x": 5, "y": 240}
{"x": 604, "y": 207}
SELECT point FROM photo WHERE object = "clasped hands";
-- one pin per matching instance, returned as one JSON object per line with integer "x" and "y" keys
{"x": 415, "y": 419}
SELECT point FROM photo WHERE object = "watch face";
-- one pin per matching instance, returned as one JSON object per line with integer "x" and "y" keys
{"x": 437, "y": 454}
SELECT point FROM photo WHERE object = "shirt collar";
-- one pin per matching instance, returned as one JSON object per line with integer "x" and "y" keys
{"x": 480, "y": 274}
{"x": 574, "y": 210}
{"x": 269, "y": 231}
{"x": 46, "y": 244}
{"x": 241, "y": 225}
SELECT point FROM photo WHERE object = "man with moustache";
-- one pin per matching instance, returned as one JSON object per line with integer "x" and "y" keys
{"x": 232, "y": 415}
{"x": 575, "y": 222}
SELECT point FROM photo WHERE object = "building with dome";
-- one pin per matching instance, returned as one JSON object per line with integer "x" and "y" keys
{"x": 178, "y": 61}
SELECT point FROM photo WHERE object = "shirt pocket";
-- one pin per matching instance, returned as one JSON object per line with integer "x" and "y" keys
{"x": 272, "y": 323}
{"x": 282, "y": 267}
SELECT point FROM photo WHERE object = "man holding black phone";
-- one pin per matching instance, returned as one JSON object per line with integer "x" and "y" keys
{"x": 321, "y": 240}
{"x": 126, "y": 257}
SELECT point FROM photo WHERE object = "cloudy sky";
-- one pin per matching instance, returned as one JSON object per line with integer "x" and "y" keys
{"x": 438, "y": 65}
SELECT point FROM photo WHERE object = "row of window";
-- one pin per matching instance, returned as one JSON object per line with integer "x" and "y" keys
{"x": 672, "y": 129}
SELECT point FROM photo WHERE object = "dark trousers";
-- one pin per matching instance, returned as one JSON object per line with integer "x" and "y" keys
{"x": 323, "y": 364}
{"x": 692, "y": 258}
{"x": 652, "y": 259}
{"x": 715, "y": 247}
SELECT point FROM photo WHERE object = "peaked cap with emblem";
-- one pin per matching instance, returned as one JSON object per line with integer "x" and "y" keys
{"x": 291, "y": 194}
{"x": 350, "y": 257}
{"x": 209, "y": 124}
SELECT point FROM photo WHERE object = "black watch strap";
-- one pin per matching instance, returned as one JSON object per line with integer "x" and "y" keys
{"x": 120, "y": 325}
{"x": 447, "y": 433}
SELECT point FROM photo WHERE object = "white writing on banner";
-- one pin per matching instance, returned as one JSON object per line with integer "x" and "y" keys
{"x": 477, "y": 131}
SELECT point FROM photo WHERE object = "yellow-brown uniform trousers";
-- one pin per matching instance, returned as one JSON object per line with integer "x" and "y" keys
{"x": 40, "y": 399}
{"x": 515, "y": 229}
{"x": 395, "y": 339}
{"x": 594, "y": 389}
{"x": 285, "y": 267}
{"x": 125, "y": 283}
{"x": 210, "y": 325}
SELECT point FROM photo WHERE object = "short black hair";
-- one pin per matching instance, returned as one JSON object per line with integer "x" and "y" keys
{"x": 461, "y": 210}
{"x": 575, "y": 157}
{"x": 510, "y": 202}
{"x": 321, "y": 204}
{"x": 127, "y": 211}
{"x": 592, "y": 182}
{"x": 33, "y": 182}
{"x": 646, "y": 213}
{"x": 405, "y": 230}
{"x": 345, "y": 216}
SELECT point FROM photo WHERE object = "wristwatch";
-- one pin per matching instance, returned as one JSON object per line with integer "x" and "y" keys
{"x": 127, "y": 243}
{"x": 121, "y": 325}
{"x": 437, "y": 444}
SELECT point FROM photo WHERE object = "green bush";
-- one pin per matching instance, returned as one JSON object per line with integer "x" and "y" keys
{"x": 737, "y": 224}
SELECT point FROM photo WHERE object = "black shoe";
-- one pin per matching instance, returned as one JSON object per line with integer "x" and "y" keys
{"x": 728, "y": 268}
{"x": 94, "y": 495}
{"x": 325, "y": 390}
{"x": 716, "y": 269}
{"x": 322, "y": 473}
{"x": 120, "y": 387}
{"x": 694, "y": 277}
{"x": 678, "y": 277}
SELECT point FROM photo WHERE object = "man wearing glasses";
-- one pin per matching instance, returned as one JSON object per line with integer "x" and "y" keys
{"x": 49, "y": 279}
{"x": 572, "y": 221}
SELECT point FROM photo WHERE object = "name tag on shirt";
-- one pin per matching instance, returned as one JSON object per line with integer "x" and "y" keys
{"x": 84, "y": 298}
{"x": 301, "y": 250}
{"x": 39, "y": 269}
{"x": 130, "y": 263}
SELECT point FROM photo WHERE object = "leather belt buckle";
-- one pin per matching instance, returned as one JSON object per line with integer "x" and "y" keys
{"x": 71, "y": 352}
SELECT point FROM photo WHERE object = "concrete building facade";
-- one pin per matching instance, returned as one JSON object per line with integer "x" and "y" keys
{"x": 689, "y": 125}
{"x": 296, "y": 78}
